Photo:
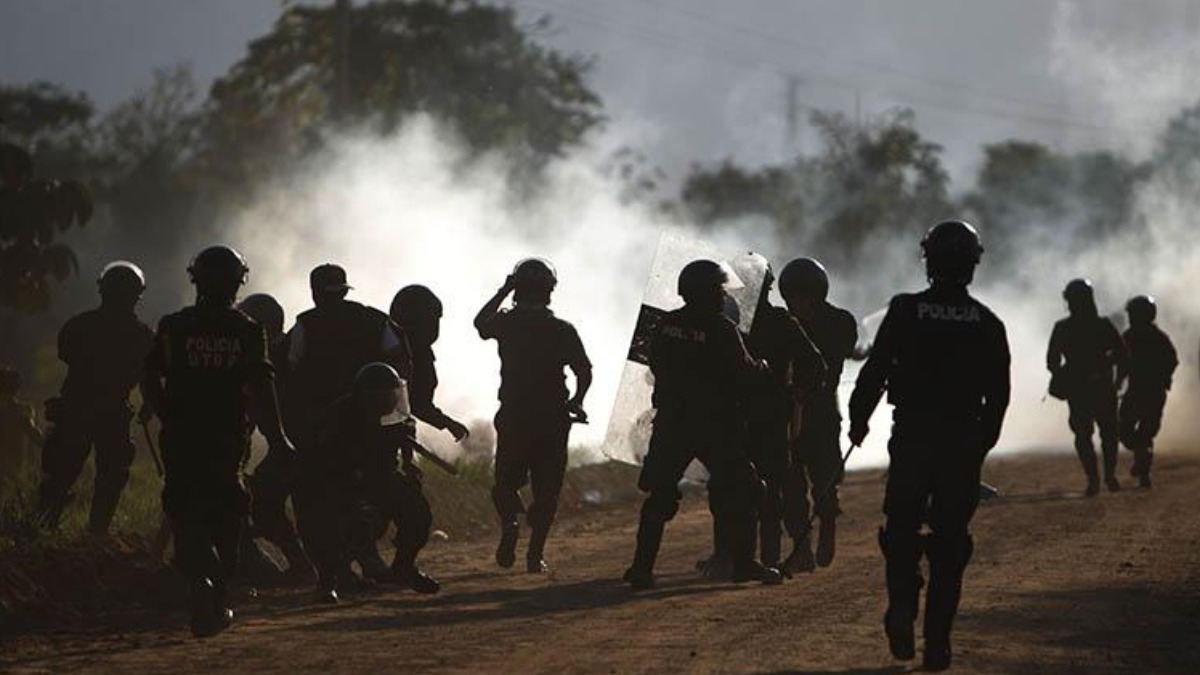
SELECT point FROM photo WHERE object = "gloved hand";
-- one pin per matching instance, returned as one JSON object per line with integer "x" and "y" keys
{"x": 458, "y": 430}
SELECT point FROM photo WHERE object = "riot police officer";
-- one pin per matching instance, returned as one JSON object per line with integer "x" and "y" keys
{"x": 796, "y": 369}
{"x": 1084, "y": 350}
{"x": 702, "y": 373}
{"x": 816, "y": 443}
{"x": 207, "y": 367}
{"x": 353, "y": 483}
{"x": 104, "y": 350}
{"x": 330, "y": 343}
{"x": 418, "y": 312}
{"x": 1150, "y": 366}
{"x": 272, "y": 484}
{"x": 943, "y": 359}
{"x": 536, "y": 410}
{"x": 327, "y": 347}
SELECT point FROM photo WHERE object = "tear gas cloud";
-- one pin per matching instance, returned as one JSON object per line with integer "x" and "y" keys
{"x": 409, "y": 208}
{"x": 412, "y": 208}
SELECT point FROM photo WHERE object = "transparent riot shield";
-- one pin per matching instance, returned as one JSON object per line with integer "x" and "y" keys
{"x": 628, "y": 433}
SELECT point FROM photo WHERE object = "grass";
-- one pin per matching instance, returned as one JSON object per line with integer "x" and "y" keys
{"x": 462, "y": 505}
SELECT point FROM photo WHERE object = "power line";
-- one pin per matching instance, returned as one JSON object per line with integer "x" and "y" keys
{"x": 654, "y": 38}
{"x": 941, "y": 83}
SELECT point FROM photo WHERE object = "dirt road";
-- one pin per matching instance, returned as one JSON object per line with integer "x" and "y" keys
{"x": 1059, "y": 584}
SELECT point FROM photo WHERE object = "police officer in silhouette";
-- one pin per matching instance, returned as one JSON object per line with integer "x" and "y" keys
{"x": 208, "y": 366}
{"x": 816, "y": 468}
{"x": 1150, "y": 366}
{"x": 702, "y": 375}
{"x": 943, "y": 359}
{"x": 418, "y": 312}
{"x": 536, "y": 410}
{"x": 104, "y": 349}
{"x": 1084, "y": 350}
{"x": 796, "y": 369}
{"x": 271, "y": 485}
{"x": 327, "y": 347}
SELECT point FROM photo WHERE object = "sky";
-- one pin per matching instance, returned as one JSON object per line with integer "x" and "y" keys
{"x": 699, "y": 80}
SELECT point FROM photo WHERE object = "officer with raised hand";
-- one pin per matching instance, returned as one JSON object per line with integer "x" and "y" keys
{"x": 1151, "y": 365}
{"x": 943, "y": 359}
{"x": 1084, "y": 350}
{"x": 702, "y": 374}
{"x": 816, "y": 444}
{"x": 104, "y": 349}
{"x": 536, "y": 409}
{"x": 208, "y": 366}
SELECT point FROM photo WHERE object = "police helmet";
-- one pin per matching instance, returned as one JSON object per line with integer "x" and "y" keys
{"x": 701, "y": 276}
{"x": 415, "y": 304}
{"x": 804, "y": 278}
{"x": 121, "y": 278}
{"x": 1078, "y": 288}
{"x": 535, "y": 274}
{"x": 218, "y": 267}
{"x": 951, "y": 249}
{"x": 1141, "y": 309}
{"x": 264, "y": 309}
{"x": 376, "y": 376}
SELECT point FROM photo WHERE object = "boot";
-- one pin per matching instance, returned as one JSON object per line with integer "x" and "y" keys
{"x": 640, "y": 574}
{"x": 947, "y": 561}
{"x": 412, "y": 577}
{"x": 800, "y": 559}
{"x": 506, "y": 550}
{"x": 1147, "y": 459}
{"x": 756, "y": 571}
{"x": 1093, "y": 475}
{"x": 1110, "y": 469}
{"x": 209, "y": 615}
{"x": 937, "y": 657}
{"x": 826, "y": 541}
{"x": 904, "y": 584}
{"x": 534, "y": 562}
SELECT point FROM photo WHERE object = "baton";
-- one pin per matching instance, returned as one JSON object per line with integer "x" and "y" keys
{"x": 412, "y": 444}
{"x": 832, "y": 483}
{"x": 150, "y": 446}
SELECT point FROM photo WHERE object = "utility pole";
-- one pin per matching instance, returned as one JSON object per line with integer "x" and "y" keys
{"x": 341, "y": 75}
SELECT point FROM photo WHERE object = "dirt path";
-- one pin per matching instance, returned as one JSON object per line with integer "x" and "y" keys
{"x": 1059, "y": 584}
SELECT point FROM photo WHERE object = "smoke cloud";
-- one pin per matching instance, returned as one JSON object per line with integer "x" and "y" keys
{"x": 412, "y": 207}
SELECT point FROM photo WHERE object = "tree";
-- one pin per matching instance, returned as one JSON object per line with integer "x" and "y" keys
{"x": 49, "y": 122}
{"x": 1025, "y": 191}
{"x": 33, "y": 211}
{"x": 866, "y": 182}
{"x": 465, "y": 63}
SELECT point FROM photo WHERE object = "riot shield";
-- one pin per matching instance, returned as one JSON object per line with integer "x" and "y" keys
{"x": 628, "y": 434}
